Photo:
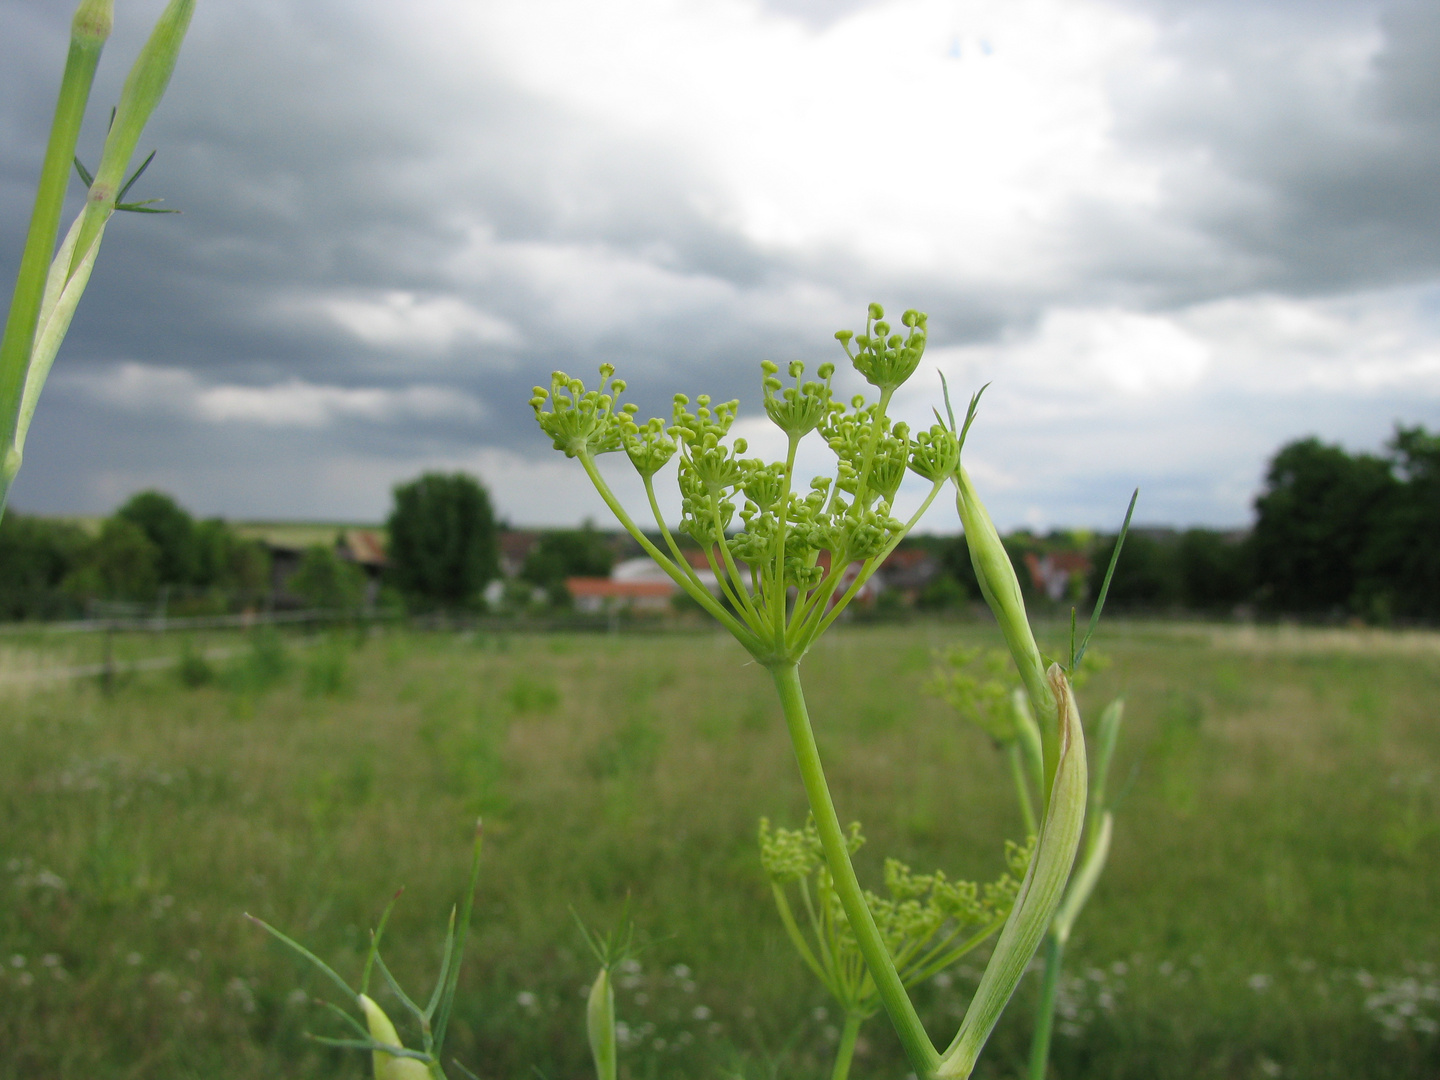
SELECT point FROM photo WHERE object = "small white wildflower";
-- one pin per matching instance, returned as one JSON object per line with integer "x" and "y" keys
{"x": 50, "y": 959}
{"x": 24, "y": 978}
{"x": 1119, "y": 967}
{"x": 133, "y": 959}
{"x": 820, "y": 1013}
{"x": 297, "y": 997}
{"x": 944, "y": 980}
{"x": 1270, "y": 1068}
{"x": 17, "y": 961}
{"x": 700, "y": 1012}
{"x": 1258, "y": 982}
{"x": 630, "y": 966}
{"x": 680, "y": 971}
{"x": 526, "y": 1000}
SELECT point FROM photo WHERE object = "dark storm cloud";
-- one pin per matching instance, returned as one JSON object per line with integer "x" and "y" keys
{"x": 328, "y": 166}
{"x": 1299, "y": 157}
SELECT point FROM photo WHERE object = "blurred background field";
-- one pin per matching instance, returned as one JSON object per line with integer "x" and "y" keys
{"x": 1269, "y": 909}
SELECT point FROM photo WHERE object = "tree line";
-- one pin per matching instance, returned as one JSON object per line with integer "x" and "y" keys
{"x": 1335, "y": 535}
{"x": 149, "y": 548}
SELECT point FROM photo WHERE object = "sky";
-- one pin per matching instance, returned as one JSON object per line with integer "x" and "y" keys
{"x": 1170, "y": 236}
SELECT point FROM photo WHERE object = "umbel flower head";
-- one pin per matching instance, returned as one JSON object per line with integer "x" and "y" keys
{"x": 928, "y": 922}
{"x": 781, "y": 552}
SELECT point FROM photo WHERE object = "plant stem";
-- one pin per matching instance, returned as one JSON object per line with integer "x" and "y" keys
{"x": 918, "y": 1048}
{"x": 847, "y": 1047}
{"x": 87, "y": 39}
{"x": 1045, "y": 1013}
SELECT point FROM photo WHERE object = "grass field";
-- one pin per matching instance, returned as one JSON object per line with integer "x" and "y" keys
{"x": 1270, "y": 908}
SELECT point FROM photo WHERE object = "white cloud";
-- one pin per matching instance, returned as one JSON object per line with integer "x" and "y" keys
{"x": 921, "y": 137}
{"x": 397, "y": 319}
{"x": 290, "y": 404}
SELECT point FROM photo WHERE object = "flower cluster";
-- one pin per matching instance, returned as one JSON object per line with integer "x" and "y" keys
{"x": 927, "y": 921}
{"x": 779, "y": 552}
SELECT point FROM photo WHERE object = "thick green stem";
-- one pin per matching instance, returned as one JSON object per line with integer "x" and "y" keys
{"x": 1045, "y": 1014}
{"x": 847, "y": 1047}
{"x": 918, "y": 1048}
{"x": 88, "y": 35}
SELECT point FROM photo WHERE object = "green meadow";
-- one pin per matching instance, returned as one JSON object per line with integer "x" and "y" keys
{"x": 1269, "y": 910}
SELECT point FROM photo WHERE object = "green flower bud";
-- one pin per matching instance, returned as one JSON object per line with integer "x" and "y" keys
{"x": 1001, "y": 589}
{"x": 388, "y": 1066}
{"x": 581, "y": 421}
{"x": 886, "y": 361}
{"x": 649, "y": 448}
{"x": 600, "y": 1025}
{"x": 936, "y": 454}
{"x": 797, "y": 410}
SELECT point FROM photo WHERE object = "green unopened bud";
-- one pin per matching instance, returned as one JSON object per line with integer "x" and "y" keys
{"x": 388, "y": 1066}
{"x": 600, "y": 1024}
{"x": 1001, "y": 589}
{"x": 1040, "y": 893}
{"x": 93, "y": 21}
{"x": 887, "y": 360}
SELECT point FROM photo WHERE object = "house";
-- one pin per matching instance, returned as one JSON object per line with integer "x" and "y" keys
{"x": 1058, "y": 574}
{"x": 597, "y": 595}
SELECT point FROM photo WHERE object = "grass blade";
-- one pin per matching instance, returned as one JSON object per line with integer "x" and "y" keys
{"x": 308, "y": 955}
{"x": 1105, "y": 588}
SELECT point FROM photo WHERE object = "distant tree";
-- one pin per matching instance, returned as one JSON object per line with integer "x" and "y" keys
{"x": 171, "y": 530}
{"x": 943, "y": 593}
{"x": 1147, "y": 576}
{"x": 564, "y": 553}
{"x": 444, "y": 547}
{"x": 955, "y": 563}
{"x": 1215, "y": 572}
{"x": 324, "y": 580}
{"x": 35, "y": 557}
{"x": 120, "y": 564}
{"x": 226, "y": 561}
{"x": 1315, "y": 518}
{"x": 1399, "y": 567}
